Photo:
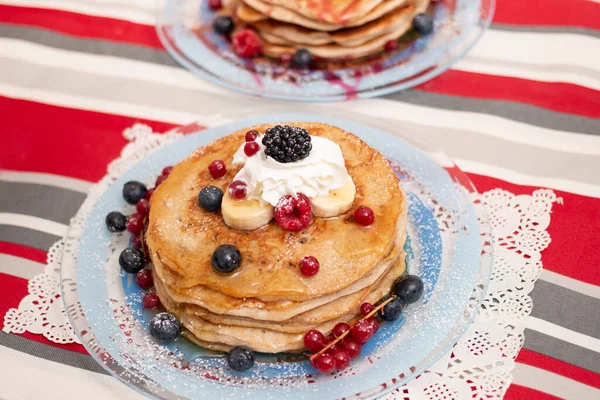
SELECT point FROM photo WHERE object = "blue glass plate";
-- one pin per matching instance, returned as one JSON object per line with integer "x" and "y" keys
{"x": 458, "y": 26}
{"x": 444, "y": 247}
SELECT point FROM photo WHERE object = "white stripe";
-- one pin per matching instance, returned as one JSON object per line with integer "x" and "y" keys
{"x": 35, "y": 223}
{"x": 564, "y": 334}
{"x": 571, "y": 284}
{"x": 29, "y": 377}
{"x": 20, "y": 267}
{"x": 63, "y": 182}
{"x": 518, "y": 178}
{"x": 551, "y": 383}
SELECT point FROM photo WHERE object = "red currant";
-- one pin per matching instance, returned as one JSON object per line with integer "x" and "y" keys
{"x": 150, "y": 301}
{"x": 293, "y": 214}
{"x": 251, "y": 148}
{"x": 251, "y": 135}
{"x": 285, "y": 58}
{"x": 309, "y": 266}
{"x": 136, "y": 241}
{"x": 314, "y": 340}
{"x": 362, "y": 331}
{"x": 340, "y": 328}
{"x": 215, "y": 4}
{"x": 325, "y": 363}
{"x": 390, "y": 45}
{"x": 238, "y": 190}
{"x": 161, "y": 179}
{"x": 149, "y": 193}
{"x": 144, "y": 279}
{"x": 167, "y": 170}
{"x": 143, "y": 207}
{"x": 135, "y": 223}
{"x": 364, "y": 216}
{"x": 374, "y": 323}
{"x": 366, "y": 308}
{"x": 247, "y": 43}
{"x": 341, "y": 359}
{"x": 351, "y": 346}
{"x": 217, "y": 169}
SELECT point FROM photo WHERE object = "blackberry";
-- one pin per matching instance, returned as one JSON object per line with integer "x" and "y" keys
{"x": 287, "y": 143}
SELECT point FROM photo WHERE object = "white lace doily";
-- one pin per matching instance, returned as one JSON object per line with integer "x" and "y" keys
{"x": 480, "y": 364}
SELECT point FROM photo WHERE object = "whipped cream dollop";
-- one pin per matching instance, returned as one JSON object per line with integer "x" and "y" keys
{"x": 268, "y": 180}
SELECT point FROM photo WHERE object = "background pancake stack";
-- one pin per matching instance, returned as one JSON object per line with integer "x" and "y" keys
{"x": 329, "y": 29}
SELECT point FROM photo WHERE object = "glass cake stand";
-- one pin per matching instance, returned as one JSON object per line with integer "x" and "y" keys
{"x": 448, "y": 246}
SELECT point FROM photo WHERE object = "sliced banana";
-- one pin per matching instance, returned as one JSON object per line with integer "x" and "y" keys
{"x": 245, "y": 215}
{"x": 336, "y": 202}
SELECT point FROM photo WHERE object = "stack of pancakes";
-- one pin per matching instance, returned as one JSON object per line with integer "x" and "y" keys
{"x": 267, "y": 304}
{"x": 329, "y": 29}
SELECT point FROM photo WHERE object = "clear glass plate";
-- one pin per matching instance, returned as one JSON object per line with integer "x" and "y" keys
{"x": 446, "y": 246}
{"x": 458, "y": 26}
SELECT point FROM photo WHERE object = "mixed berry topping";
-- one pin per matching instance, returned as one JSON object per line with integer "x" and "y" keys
{"x": 144, "y": 279}
{"x": 217, "y": 169}
{"x": 341, "y": 359}
{"x": 160, "y": 180}
{"x": 136, "y": 241}
{"x": 309, "y": 266}
{"x": 143, "y": 207}
{"x": 167, "y": 170}
{"x": 150, "y": 301}
{"x": 215, "y": 4}
{"x": 374, "y": 323}
{"x": 287, "y": 143}
{"x": 210, "y": 198}
{"x": 325, "y": 363}
{"x": 364, "y": 216}
{"x": 247, "y": 43}
{"x": 285, "y": 58}
{"x": 223, "y": 25}
{"x": 132, "y": 260}
{"x": 340, "y": 328}
{"x": 362, "y": 331}
{"x": 366, "y": 308}
{"x": 293, "y": 214}
{"x": 302, "y": 58}
{"x": 226, "y": 259}
{"x": 392, "y": 310}
{"x": 251, "y": 135}
{"x": 314, "y": 340}
{"x": 251, "y": 148}
{"x": 135, "y": 223}
{"x": 240, "y": 358}
{"x": 423, "y": 23}
{"x": 352, "y": 347}
{"x": 115, "y": 221}
{"x": 134, "y": 191}
{"x": 408, "y": 288}
{"x": 149, "y": 193}
{"x": 238, "y": 190}
{"x": 390, "y": 45}
{"x": 164, "y": 327}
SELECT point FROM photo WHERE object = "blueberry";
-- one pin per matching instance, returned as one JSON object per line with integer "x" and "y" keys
{"x": 240, "y": 358}
{"x": 302, "y": 58}
{"x": 164, "y": 327}
{"x": 223, "y": 25}
{"x": 210, "y": 198}
{"x": 115, "y": 221}
{"x": 392, "y": 310}
{"x": 423, "y": 23}
{"x": 132, "y": 260}
{"x": 134, "y": 191}
{"x": 408, "y": 288}
{"x": 226, "y": 259}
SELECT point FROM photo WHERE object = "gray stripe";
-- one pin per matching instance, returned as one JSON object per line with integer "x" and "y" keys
{"x": 50, "y": 353}
{"x": 566, "y": 308}
{"x": 516, "y": 111}
{"x": 27, "y": 237}
{"x": 20, "y": 267}
{"x": 42, "y": 201}
{"x": 562, "y": 350}
{"x": 547, "y": 29}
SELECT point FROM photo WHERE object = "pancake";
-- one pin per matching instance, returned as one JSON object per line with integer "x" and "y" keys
{"x": 332, "y": 11}
{"x": 286, "y": 15}
{"x": 183, "y": 236}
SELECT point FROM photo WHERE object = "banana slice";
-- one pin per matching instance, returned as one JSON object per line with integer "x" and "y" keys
{"x": 245, "y": 215}
{"x": 336, "y": 202}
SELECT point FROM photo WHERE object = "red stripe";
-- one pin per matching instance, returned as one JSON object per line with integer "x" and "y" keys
{"x": 81, "y": 25}
{"x": 582, "y": 13}
{"x": 557, "y": 96}
{"x": 559, "y": 367}
{"x": 516, "y": 392}
{"x": 574, "y": 230}
{"x": 63, "y": 141}
{"x": 19, "y": 250}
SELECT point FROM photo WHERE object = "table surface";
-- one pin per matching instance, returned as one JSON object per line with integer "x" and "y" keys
{"x": 521, "y": 111}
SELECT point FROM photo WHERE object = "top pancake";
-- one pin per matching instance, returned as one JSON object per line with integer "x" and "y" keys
{"x": 331, "y": 11}
{"x": 185, "y": 236}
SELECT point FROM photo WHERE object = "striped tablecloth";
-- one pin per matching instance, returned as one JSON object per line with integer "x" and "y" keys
{"x": 519, "y": 112}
